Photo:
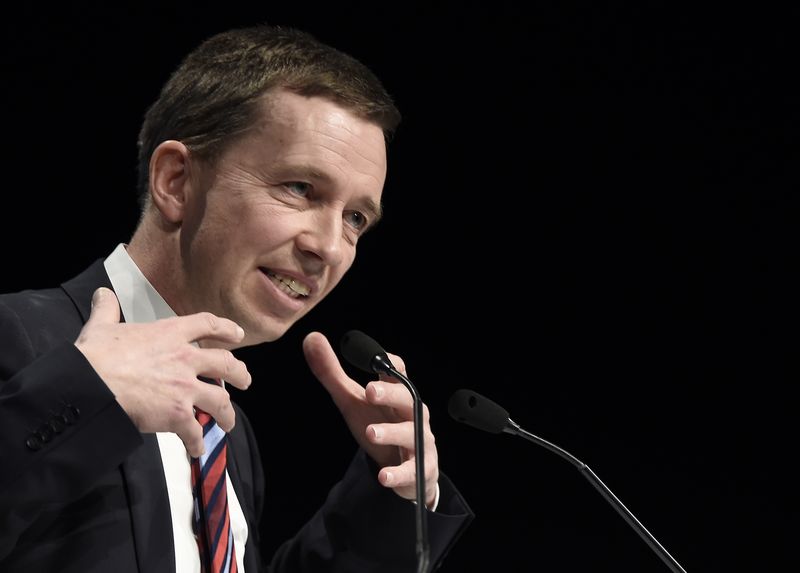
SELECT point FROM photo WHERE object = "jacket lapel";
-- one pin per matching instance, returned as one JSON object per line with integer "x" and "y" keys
{"x": 142, "y": 472}
{"x": 81, "y": 288}
{"x": 149, "y": 505}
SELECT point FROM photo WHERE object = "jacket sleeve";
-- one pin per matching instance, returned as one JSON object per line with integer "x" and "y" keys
{"x": 368, "y": 528}
{"x": 60, "y": 427}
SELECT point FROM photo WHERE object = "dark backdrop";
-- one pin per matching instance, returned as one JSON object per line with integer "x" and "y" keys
{"x": 589, "y": 219}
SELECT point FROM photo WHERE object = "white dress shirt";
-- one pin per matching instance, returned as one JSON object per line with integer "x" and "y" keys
{"x": 140, "y": 302}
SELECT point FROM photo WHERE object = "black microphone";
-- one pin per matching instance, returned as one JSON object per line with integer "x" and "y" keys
{"x": 471, "y": 408}
{"x": 364, "y": 353}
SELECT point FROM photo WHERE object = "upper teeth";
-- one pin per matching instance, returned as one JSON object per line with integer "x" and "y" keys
{"x": 293, "y": 286}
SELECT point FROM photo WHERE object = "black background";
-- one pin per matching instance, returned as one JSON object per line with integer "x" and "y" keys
{"x": 590, "y": 219}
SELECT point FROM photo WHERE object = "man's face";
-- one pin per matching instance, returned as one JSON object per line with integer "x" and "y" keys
{"x": 273, "y": 226}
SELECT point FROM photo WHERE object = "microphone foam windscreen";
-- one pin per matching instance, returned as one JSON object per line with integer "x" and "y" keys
{"x": 471, "y": 408}
{"x": 360, "y": 350}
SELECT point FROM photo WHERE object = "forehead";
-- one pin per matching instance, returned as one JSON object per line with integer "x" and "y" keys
{"x": 301, "y": 124}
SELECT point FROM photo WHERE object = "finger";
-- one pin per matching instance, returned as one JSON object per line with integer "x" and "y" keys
{"x": 328, "y": 370}
{"x": 207, "y": 326}
{"x": 397, "y": 434}
{"x": 405, "y": 475}
{"x": 105, "y": 307}
{"x": 400, "y": 476}
{"x": 189, "y": 430}
{"x": 393, "y": 395}
{"x": 216, "y": 402}
{"x": 222, "y": 364}
{"x": 398, "y": 363}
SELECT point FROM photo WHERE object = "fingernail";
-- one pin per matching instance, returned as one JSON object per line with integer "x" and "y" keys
{"x": 98, "y": 294}
{"x": 388, "y": 478}
{"x": 377, "y": 432}
{"x": 378, "y": 391}
{"x": 240, "y": 331}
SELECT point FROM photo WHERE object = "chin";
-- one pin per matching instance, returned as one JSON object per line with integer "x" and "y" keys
{"x": 258, "y": 332}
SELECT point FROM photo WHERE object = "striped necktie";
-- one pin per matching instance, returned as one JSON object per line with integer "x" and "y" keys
{"x": 211, "y": 522}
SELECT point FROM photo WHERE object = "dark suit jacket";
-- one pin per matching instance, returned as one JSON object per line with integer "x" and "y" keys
{"x": 81, "y": 489}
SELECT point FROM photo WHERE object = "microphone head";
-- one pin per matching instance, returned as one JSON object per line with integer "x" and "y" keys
{"x": 471, "y": 408}
{"x": 361, "y": 351}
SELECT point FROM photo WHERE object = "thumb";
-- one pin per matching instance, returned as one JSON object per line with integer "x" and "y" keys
{"x": 325, "y": 366}
{"x": 105, "y": 307}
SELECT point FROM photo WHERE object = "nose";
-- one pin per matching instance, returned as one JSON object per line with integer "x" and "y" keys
{"x": 323, "y": 237}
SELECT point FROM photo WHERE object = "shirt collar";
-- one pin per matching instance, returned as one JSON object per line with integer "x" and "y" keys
{"x": 138, "y": 299}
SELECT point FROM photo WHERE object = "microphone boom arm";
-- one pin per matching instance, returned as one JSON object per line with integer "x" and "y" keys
{"x": 586, "y": 471}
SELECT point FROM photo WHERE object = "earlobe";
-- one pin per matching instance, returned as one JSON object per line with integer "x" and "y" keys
{"x": 169, "y": 179}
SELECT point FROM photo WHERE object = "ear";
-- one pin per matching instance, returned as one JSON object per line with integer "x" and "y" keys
{"x": 170, "y": 179}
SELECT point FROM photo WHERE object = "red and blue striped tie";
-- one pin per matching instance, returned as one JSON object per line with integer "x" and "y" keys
{"x": 211, "y": 522}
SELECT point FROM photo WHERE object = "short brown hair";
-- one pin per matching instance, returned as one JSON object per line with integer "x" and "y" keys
{"x": 211, "y": 97}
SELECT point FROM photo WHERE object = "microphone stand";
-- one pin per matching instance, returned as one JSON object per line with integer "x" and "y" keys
{"x": 423, "y": 549}
{"x": 366, "y": 354}
{"x": 515, "y": 429}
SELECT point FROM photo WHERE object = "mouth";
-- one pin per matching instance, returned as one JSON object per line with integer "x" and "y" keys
{"x": 287, "y": 284}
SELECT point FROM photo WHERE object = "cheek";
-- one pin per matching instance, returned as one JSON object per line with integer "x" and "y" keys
{"x": 257, "y": 226}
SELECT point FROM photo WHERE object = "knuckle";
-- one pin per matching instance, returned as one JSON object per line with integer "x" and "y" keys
{"x": 179, "y": 414}
{"x": 228, "y": 361}
{"x": 171, "y": 324}
{"x": 223, "y": 402}
{"x": 431, "y": 440}
{"x": 185, "y": 353}
{"x": 431, "y": 466}
{"x": 211, "y": 320}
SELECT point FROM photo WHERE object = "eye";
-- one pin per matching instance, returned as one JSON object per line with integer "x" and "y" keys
{"x": 298, "y": 188}
{"x": 356, "y": 219}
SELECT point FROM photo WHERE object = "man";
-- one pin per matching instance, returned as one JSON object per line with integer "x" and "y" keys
{"x": 261, "y": 165}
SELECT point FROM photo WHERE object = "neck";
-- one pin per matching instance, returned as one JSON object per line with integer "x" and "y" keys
{"x": 157, "y": 255}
